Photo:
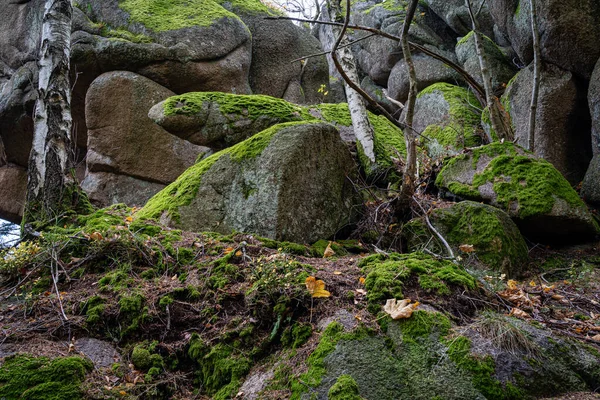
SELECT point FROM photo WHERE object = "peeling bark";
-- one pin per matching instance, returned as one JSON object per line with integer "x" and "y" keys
{"x": 358, "y": 111}
{"x": 50, "y": 158}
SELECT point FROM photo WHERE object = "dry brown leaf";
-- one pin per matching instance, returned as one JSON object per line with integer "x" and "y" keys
{"x": 96, "y": 236}
{"x": 596, "y": 338}
{"x": 557, "y": 297}
{"x": 228, "y": 250}
{"x": 466, "y": 248}
{"x": 361, "y": 280}
{"x": 399, "y": 309}
{"x": 316, "y": 287}
{"x": 361, "y": 292}
{"x": 328, "y": 251}
{"x": 238, "y": 253}
{"x": 517, "y": 312}
{"x": 337, "y": 272}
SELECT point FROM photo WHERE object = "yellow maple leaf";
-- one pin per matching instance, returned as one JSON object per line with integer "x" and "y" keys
{"x": 512, "y": 284}
{"x": 228, "y": 250}
{"x": 129, "y": 219}
{"x": 316, "y": 287}
{"x": 361, "y": 280}
{"x": 532, "y": 284}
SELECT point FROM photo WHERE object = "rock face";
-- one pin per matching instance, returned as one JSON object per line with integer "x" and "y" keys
{"x": 13, "y": 186}
{"x": 122, "y": 140}
{"x": 590, "y": 189}
{"x": 501, "y": 67}
{"x": 429, "y": 71}
{"x": 530, "y": 190}
{"x": 569, "y": 35}
{"x": 288, "y": 182}
{"x": 496, "y": 240}
{"x": 562, "y": 122}
{"x": 449, "y": 117}
{"x": 594, "y": 104}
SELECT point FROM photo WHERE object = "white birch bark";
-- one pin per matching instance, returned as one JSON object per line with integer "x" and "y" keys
{"x": 49, "y": 161}
{"x": 537, "y": 60}
{"x": 358, "y": 111}
{"x": 499, "y": 123}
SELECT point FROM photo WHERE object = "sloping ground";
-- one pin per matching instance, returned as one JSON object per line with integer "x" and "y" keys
{"x": 170, "y": 314}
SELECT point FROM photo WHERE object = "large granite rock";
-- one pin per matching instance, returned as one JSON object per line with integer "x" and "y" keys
{"x": 593, "y": 98}
{"x": 562, "y": 133}
{"x": 449, "y": 117}
{"x": 569, "y": 31}
{"x": 123, "y": 140}
{"x": 590, "y": 188}
{"x": 428, "y": 70}
{"x": 497, "y": 243}
{"x": 500, "y": 66}
{"x": 106, "y": 188}
{"x": 541, "y": 202}
{"x": 219, "y": 119}
{"x": 289, "y": 182}
{"x": 13, "y": 188}
{"x": 456, "y": 14}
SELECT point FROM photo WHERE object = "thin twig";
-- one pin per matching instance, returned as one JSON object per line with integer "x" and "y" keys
{"x": 444, "y": 242}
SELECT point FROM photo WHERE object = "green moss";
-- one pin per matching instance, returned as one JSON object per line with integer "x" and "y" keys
{"x": 296, "y": 335}
{"x": 249, "y": 7}
{"x": 251, "y": 106}
{"x": 124, "y": 34}
{"x": 140, "y": 357}
{"x": 94, "y": 309}
{"x": 168, "y": 15}
{"x": 386, "y": 276}
{"x": 482, "y": 370}
{"x": 221, "y": 367}
{"x": 389, "y": 5}
{"x": 529, "y": 185}
{"x": 461, "y": 129}
{"x": 132, "y": 313}
{"x": 345, "y": 388}
{"x": 181, "y": 192}
{"x": 28, "y": 377}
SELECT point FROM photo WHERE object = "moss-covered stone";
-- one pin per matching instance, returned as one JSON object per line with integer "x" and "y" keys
{"x": 39, "y": 378}
{"x": 529, "y": 189}
{"x": 496, "y": 240}
{"x": 345, "y": 388}
{"x": 455, "y": 130}
{"x": 386, "y": 276}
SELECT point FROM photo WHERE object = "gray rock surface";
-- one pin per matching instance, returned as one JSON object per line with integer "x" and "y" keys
{"x": 562, "y": 120}
{"x": 590, "y": 189}
{"x": 123, "y": 140}
{"x": 294, "y": 189}
{"x": 13, "y": 187}
{"x": 101, "y": 353}
{"x": 105, "y": 188}
{"x": 593, "y": 98}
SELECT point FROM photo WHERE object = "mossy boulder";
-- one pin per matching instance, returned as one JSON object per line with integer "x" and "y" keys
{"x": 425, "y": 357}
{"x": 219, "y": 119}
{"x": 289, "y": 182}
{"x": 537, "y": 197}
{"x": 497, "y": 242}
{"x": 449, "y": 117}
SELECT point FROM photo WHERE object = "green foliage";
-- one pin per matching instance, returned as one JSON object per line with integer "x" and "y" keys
{"x": 386, "y": 276}
{"x": 28, "y": 377}
{"x": 296, "y": 335}
{"x": 15, "y": 261}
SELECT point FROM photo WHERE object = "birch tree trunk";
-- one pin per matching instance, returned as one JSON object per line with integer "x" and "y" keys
{"x": 358, "y": 111}
{"x": 410, "y": 136}
{"x": 498, "y": 118}
{"x": 537, "y": 67}
{"x": 51, "y": 155}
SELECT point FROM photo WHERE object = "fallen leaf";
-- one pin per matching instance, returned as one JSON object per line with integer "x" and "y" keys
{"x": 96, "y": 236}
{"x": 316, "y": 287}
{"x": 129, "y": 219}
{"x": 361, "y": 280}
{"x": 328, "y": 251}
{"x": 238, "y": 253}
{"x": 596, "y": 338}
{"x": 361, "y": 291}
{"x": 517, "y": 312}
{"x": 557, "y": 297}
{"x": 228, "y": 250}
{"x": 532, "y": 284}
{"x": 122, "y": 393}
{"x": 337, "y": 272}
{"x": 466, "y": 248}
{"x": 512, "y": 284}
{"x": 399, "y": 309}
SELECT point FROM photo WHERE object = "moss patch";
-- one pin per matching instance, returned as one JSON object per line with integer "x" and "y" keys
{"x": 386, "y": 276}
{"x": 345, "y": 388}
{"x": 168, "y": 15}
{"x": 39, "y": 378}
{"x": 462, "y": 127}
{"x": 524, "y": 185}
